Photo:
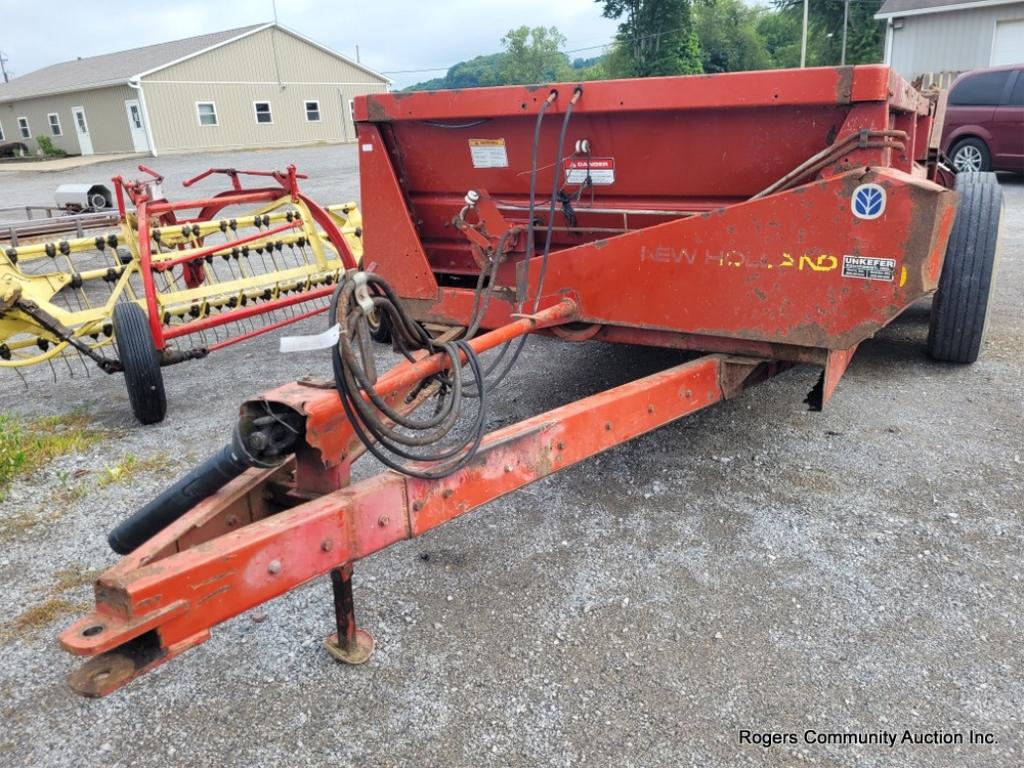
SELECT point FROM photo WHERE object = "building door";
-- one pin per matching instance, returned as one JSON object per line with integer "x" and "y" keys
{"x": 82, "y": 130}
{"x": 139, "y": 139}
{"x": 1008, "y": 43}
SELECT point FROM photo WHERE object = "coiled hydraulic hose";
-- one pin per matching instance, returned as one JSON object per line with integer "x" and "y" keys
{"x": 386, "y": 431}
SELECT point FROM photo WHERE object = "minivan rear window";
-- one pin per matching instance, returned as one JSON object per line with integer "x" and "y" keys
{"x": 1017, "y": 97}
{"x": 984, "y": 89}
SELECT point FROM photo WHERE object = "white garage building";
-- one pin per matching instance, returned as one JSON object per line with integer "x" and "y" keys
{"x": 257, "y": 86}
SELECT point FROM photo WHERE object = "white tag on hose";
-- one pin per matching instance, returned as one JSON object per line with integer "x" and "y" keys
{"x": 325, "y": 340}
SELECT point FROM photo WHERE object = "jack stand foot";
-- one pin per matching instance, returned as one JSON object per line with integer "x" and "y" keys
{"x": 358, "y": 651}
{"x": 349, "y": 644}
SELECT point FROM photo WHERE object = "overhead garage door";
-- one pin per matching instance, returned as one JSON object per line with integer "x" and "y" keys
{"x": 1008, "y": 45}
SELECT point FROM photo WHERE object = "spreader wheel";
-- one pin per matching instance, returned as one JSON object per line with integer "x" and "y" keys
{"x": 141, "y": 363}
{"x": 976, "y": 177}
{"x": 960, "y": 307}
{"x": 379, "y": 328}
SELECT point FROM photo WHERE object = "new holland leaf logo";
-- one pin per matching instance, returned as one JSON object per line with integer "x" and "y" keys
{"x": 868, "y": 201}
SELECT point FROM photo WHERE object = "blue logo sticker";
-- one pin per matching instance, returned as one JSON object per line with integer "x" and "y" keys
{"x": 868, "y": 201}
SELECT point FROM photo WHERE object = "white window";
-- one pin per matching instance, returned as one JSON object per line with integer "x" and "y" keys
{"x": 26, "y": 132}
{"x": 262, "y": 111}
{"x": 312, "y": 111}
{"x": 54, "y": 120}
{"x": 352, "y": 109}
{"x": 79, "y": 114}
{"x": 1, "y": 133}
{"x": 207, "y": 112}
{"x": 135, "y": 115}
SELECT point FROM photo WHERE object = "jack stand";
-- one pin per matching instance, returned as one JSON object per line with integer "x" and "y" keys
{"x": 349, "y": 644}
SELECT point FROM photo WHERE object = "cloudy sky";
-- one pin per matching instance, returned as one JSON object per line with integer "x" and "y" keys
{"x": 392, "y": 35}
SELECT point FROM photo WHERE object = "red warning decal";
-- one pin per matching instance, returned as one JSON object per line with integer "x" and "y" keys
{"x": 601, "y": 170}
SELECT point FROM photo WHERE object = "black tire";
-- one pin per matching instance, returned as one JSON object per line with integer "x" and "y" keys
{"x": 380, "y": 330}
{"x": 973, "y": 154}
{"x": 960, "y": 307}
{"x": 141, "y": 363}
{"x": 976, "y": 177}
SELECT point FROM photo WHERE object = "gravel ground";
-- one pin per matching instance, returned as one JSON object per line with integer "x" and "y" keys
{"x": 754, "y": 566}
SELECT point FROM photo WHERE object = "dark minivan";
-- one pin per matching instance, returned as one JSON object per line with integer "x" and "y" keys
{"x": 984, "y": 127}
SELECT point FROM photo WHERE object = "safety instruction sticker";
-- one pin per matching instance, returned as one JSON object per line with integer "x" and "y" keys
{"x": 869, "y": 268}
{"x": 601, "y": 170}
{"x": 488, "y": 153}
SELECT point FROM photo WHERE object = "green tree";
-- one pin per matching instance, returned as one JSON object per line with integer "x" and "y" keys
{"x": 534, "y": 56}
{"x": 780, "y": 32}
{"x": 729, "y": 39}
{"x": 656, "y": 37}
{"x": 865, "y": 35}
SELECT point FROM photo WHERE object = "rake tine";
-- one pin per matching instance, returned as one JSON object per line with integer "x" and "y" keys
{"x": 85, "y": 365}
{"x": 21, "y": 376}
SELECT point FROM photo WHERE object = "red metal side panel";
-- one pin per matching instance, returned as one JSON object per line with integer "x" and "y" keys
{"x": 774, "y": 269}
{"x": 392, "y": 235}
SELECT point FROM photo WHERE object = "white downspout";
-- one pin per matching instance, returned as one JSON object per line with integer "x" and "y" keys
{"x": 136, "y": 84}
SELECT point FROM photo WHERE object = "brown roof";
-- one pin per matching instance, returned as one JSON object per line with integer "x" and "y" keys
{"x": 918, "y": 7}
{"x": 112, "y": 68}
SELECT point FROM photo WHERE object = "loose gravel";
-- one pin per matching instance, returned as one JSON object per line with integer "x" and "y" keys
{"x": 753, "y": 566}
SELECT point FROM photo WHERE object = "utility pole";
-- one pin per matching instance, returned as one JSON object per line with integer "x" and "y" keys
{"x": 846, "y": 22}
{"x": 3, "y": 61}
{"x": 803, "y": 40}
{"x": 358, "y": 61}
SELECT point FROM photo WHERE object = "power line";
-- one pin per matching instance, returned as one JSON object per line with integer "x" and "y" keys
{"x": 611, "y": 42}
{"x": 566, "y": 52}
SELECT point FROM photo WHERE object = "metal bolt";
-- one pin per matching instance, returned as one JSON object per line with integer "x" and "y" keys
{"x": 232, "y": 521}
{"x": 417, "y": 506}
{"x": 508, "y": 468}
{"x": 447, "y": 493}
{"x": 383, "y": 521}
{"x": 326, "y": 545}
{"x": 274, "y": 566}
{"x": 608, "y": 426}
{"x": 650, "y": 409}
{"x": 560, "y": 446}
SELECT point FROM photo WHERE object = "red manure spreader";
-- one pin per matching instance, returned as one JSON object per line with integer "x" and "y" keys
{"x": 761, "y": 219}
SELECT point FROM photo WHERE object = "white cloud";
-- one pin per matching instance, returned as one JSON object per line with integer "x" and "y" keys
{"x": 391, "y": 34}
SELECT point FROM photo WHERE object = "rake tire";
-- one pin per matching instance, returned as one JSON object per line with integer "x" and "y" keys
{"x": 380, "y": 330}
{"x": 141, "y": 363}
{"x": 960, "y": 308}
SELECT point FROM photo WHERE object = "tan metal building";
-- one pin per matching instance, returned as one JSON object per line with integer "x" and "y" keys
{"x": 938, "y": 39}
{"x": 257, "y": 86}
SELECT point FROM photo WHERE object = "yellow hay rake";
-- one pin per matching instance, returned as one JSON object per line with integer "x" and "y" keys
{"x": 176, "y": 281}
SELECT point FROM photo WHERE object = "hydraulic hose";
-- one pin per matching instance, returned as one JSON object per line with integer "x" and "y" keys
{"x": 387, "y": 431}
{"x": 520, "y": 343}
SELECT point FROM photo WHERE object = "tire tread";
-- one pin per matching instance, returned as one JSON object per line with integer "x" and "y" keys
{"x": 140, "y": 360}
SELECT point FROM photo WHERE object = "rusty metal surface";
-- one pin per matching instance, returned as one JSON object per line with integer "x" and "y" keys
{"x": 177, "y": 594}
{"x": 684, "y": 252}
{"x": 675, "y": 256}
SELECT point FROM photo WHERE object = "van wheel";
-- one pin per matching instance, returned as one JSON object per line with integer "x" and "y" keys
{"x": 970, "y": 155}
{"x": 141, "y": 363}
{"x": 960, "y": 307}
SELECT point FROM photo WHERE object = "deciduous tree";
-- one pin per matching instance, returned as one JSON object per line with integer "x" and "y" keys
{"x": 656, "y": 37}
